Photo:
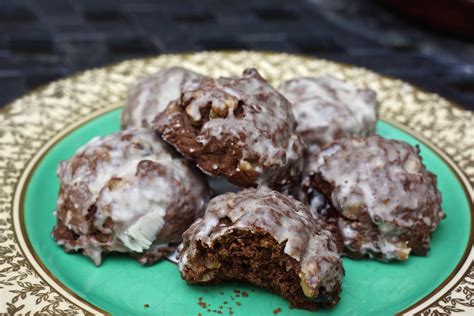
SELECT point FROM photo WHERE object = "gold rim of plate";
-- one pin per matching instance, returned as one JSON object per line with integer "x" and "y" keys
{"x": 31, "y": 125}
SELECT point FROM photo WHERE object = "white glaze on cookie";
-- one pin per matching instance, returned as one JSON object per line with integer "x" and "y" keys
{"x": 327, "y": 109}
{"x": 135, "y": 185}
{"x": 287, "y": 220}
{"x": 386, "y": 180}
{"x": 152, "y": 94}
{"x": 246, "y": 112}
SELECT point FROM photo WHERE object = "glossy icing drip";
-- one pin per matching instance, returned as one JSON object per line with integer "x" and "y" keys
{"x": 132, "y": 181}
{"x": 384, "y": 179}
{"x": 327, "y": 109}
{"x": 284, "y": 218}
{"x": 152, "y": 94}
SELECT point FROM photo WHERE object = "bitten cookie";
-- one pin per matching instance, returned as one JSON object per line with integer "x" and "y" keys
{"x": 127, "y": 192}
{"x": 238, "y": 127}
{"x": 152, "y": 94}
{"x": 327, "y": 109}
{"x": 381, "y": 197}
{"x": 268, "y": 239}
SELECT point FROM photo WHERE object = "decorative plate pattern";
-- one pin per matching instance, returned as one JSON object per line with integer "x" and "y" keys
{"x": 34, "y": 120}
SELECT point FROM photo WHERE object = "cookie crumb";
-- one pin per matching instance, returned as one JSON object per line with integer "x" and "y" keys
{"x": 245, "y": 294}
{"x": 146, "y": 305}
{"x": 277, "y": 311}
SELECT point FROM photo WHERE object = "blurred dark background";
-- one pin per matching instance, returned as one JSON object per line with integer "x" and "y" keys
{"x": 43, "y": 40}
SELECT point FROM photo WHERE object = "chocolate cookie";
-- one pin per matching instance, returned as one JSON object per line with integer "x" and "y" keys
{"x": 268, "y": 239}
{"x": 238, "y": 127}
{"x": 127, "y": 192}
{"x": 381, "y": 197}
{"x": 152, "y": 94}
{"x": 327, "y": 109}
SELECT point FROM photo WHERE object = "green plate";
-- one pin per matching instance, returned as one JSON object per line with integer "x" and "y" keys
{"x": 122, "y": 286}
